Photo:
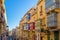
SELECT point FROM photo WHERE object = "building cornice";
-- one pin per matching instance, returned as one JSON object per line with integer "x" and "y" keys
{"x": 27, "y": 13}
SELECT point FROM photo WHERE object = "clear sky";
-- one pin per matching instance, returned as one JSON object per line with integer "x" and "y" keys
{"x": 15, "y": 10}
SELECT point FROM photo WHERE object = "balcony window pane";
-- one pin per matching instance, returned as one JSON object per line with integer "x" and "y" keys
{"x": 46, "y": 1}
{"x": 49, "y": 3}
{"x": 0, "y": 9}
{"x": 52, "y": 20}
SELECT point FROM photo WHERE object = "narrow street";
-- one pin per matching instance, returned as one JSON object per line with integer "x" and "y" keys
{"x": 19, "y": 20}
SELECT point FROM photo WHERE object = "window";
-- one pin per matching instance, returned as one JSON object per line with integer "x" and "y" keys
{"x": 2, "y": 15}
{"x": 42, "y": 29}
{"x": 48, "y": 3}
{"x": 2, "y": 18}
{"x": 37, "y": 23}
{"x": 40, "y": 22}
{"x": 28, "y": 26}
{"x": 22, "y": 27}
{"x": 0, "y": 9}
{"x": 43, "y": 23}
{"x": 41, "y": 11}
{"x": 6, "y": 33}
{"x": 29, "y": 16}
{"x": 32, "y": 25}
{"x": 52, "y": 20}
{"x": 51, "y": 4}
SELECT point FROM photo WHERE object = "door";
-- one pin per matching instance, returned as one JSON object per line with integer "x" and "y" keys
{"x": 48, "y": 36}
{"x": 56, "y": 35}
{"x": 41, "y": 38}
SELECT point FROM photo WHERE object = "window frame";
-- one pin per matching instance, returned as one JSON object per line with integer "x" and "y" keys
{"x": 41, "y": 10}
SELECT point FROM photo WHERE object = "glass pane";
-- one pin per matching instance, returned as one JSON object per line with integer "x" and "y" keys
{"x": 29, "y": 16}
{"x": 52, "y": 20}
{"x": 0, "y": 9}
{"x": 49, "y": 3}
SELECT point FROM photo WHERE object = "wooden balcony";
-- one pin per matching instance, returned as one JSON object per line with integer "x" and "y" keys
{"x": 52, "y": 6}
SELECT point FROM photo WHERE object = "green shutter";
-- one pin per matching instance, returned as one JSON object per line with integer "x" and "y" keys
{"x": 48, "y": 37}
{"x": 56, "y": 35}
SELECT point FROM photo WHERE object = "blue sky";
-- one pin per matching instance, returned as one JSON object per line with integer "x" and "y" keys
{"x": 15, "y": 10}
